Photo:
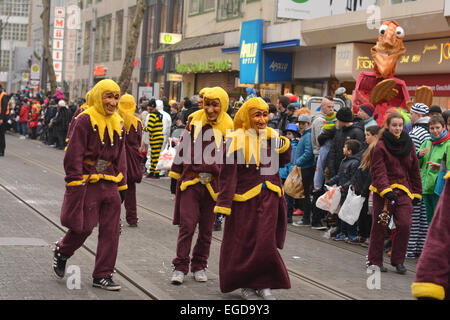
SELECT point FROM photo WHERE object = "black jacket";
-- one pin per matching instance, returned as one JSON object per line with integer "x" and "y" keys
{"x": 347, "y": 170}
{"x": 62, "y": 119}
{"x": 362, "y": 179}
{"x": 336, "y": 154}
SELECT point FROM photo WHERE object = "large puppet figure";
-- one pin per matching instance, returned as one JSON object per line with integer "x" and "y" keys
{"x": 380, "y": 87}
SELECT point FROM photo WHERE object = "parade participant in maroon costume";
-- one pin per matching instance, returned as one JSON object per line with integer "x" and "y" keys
{"x": 197, "y": 183}
{"x": 433, "y": 269}
{"x": 396, "y": 181}
{"x": 251, "y": 195}
{"x": 95, "y": 165}
{"x": 133, "y": 128}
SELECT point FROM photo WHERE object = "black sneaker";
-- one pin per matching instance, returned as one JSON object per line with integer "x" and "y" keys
{"x": 400, "y": 268}
{"x": 59, "y": 264}
{"x": 318, "y": 226}
{"x": 106, "y": 283}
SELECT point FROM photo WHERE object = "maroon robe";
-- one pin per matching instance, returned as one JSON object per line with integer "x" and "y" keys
{"x": 97, "y": 202}
{"x": 249, "y": 257}
{"x": 433, "y": 269}
{"x": 195, "y": 204}
{"x": 134, "y": 157}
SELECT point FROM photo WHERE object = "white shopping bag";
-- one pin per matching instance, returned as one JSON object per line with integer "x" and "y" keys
{"x": 351, "y": 208}
{"x": 166, "y": 158}
{"x": 330, "y": 200}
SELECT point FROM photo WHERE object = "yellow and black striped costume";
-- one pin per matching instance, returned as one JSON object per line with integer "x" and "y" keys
{"x": 156, "y": 139}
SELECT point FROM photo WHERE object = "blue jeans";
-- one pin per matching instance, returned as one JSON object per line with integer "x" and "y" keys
{"x": 24, "y": 129}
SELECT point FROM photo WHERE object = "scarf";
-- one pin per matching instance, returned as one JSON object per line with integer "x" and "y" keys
{"x": 398, "y": 147}
{"x": 330, "y": 122}
{"x": 445, "y": 136}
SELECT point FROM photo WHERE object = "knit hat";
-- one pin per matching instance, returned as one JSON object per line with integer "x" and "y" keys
{"x": 293, "y": 128}
{"x": 436, "y": 109}
{"x": 345, "y": 115}
{"x": 420, "y": 108}
{"x": 304, "y": 118}
{"x": 292, "y": 107}
{"x": 368, "y": 108}
{"x": 62, "y": 103}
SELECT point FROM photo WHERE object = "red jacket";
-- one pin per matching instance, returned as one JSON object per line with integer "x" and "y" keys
{"x": 34, "y": 120}
{"x": 24, "y": 113}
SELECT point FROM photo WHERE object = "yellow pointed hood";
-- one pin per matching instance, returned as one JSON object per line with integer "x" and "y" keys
{"x": 223, "y": 123}
{"x": 97, "y": 113}
{"x": 246, "y": 139}
{"x": 127, "y": 108}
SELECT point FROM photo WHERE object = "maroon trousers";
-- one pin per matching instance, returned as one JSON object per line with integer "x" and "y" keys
{"x": 130, "y": 203}
{"x": 402, "y": 211}
{"x": 102, "y": 206}
{"x": 196, "y": 207}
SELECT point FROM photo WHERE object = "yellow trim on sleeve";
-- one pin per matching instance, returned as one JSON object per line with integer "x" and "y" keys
{"x": 222, "y": 210}
{"x": 417, "y": 196}
{"x": 427, "y": 289}
{"x": 174, "y": 175}
{"x": 284, "y": 148}
{"x": 77, "y": 182}
{"x": 213, "y": 194}
{"x": 383, "y": 193}
{"x": 188, "y": 183}
{"x": 447, "y": 175}
{"x": 124, "y": 187}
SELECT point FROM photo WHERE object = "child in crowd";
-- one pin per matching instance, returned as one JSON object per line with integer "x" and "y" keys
{"x": 293, "y": 134}
{"x": 347, "y": 170}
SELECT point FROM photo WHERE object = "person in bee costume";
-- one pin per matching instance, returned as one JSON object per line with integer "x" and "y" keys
{"x": 251, "y": 196}
{"x": 197, "y": 183}
{"x": 96, "y": 180}
{"x": 133, "y": 129}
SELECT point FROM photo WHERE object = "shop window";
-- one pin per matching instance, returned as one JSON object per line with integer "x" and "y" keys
{"x": 200, "y": 6}
{"x": 229, "y": 9}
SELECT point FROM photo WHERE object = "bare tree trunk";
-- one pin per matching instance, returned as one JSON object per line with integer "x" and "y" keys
{"x": 132, "y": 42}
{"x": 45, "y": 17}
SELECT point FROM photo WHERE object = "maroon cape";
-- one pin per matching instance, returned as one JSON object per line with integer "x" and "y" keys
{"x": 433, "y": 269}
{"x": 249, "y": 257}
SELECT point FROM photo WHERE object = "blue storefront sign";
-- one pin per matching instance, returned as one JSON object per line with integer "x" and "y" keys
{"x": 277, "y": 66}
{"x": 250, "y": 51}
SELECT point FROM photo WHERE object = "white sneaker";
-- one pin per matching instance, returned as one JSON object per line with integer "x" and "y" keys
{"x": 177, "y": 277}
{"x": 266, "y": 294}
{"x": 200, "y": 276}
{"x": 249, "y": 294}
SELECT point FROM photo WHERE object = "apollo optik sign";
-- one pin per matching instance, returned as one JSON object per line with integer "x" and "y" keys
{"x": 250, "y": 52}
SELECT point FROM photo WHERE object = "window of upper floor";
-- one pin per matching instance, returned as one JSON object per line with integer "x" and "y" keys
{"x": 229, "y": 9}
{"x": 201, "y": 6}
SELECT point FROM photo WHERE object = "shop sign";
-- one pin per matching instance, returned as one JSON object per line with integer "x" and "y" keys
{"x": 310, "y": 9}
{"x": 277, "y": 66}
{"x": 205, "y": 66}
{"x": 169, "y": 38}
{"x": 250, "y": 52}
{"x": 174, "y": 77}
{"x": 421, "y": 57}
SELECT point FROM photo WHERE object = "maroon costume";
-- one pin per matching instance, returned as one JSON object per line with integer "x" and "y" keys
{"x": 194, "y": 204}
{"x": 256, "y": 227}
{"x": 101, "y": 196}
{"x": 134, "y": 170}
{"x": 433, "y": 269}
{"x": 400, "y": 175}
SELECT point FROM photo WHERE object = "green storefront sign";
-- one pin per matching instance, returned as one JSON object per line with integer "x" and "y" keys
{"x": 206, "y": 66}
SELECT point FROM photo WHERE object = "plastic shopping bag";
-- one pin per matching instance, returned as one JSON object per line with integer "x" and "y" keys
{"x": 166, "y": 158}
{"x": 330, "y": 200}
{"x": 293, "y": 186}
{"x": 351, "y": 208}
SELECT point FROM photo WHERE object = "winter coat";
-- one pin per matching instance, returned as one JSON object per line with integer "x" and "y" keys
{"x": 336, "y": 154}
{"x": 347, "y": 169}
{"x": 316, "y": 129}
{"x": 362, "y": 178}
{"x": 34, "y": 120}
{"x": 24, "y": 113}
{"x": 304, "y": 157}
{"x": 435, "y": 154}
{"x": 286, "y": 170}
{"x": 419, "y": 132}
{"x": 62, "y": 120}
